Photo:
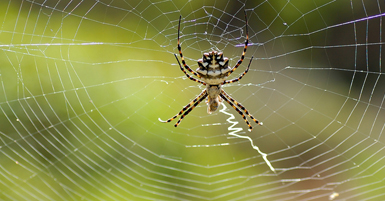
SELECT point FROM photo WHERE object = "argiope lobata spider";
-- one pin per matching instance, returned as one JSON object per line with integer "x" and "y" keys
{"x": 213, "y": 70}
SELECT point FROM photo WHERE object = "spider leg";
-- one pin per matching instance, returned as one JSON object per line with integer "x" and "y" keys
{"x": 242, "y": 107}
{"x": 186, "y": 107}
{"x": 181, "y": 55}
{"x": 244, "y": 49}
{"x": 240, "y": 77}
{"x": 191, "y": 108}
{"x": 240, "y": 112}
{"x": 191, "y": 78}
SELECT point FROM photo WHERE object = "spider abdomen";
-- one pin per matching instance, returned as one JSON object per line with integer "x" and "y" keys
{"x": 213, "y": 68}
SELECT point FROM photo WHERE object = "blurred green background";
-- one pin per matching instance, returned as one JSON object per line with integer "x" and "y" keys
{"x": 83, "y": 84}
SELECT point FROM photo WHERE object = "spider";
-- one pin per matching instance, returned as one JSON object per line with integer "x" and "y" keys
{"x": 213, "y": 71}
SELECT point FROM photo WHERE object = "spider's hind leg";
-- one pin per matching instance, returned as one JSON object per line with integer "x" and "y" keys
{"x": 241, "y": 76}
{"x": 191, "y": 78}
{"x": 244, "y": 48}
{"x": 181, "y": 54}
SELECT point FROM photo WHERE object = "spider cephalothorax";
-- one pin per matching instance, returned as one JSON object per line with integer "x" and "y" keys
{"x": 213, "y": 70}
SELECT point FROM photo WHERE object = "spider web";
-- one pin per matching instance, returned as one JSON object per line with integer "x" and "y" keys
{"x": 83, "y": 83}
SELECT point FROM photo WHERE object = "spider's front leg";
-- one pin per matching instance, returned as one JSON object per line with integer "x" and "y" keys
{"x": 188, "y": 107}
{"x": 242, "y": 107}
{"x": 240, "y": 112}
